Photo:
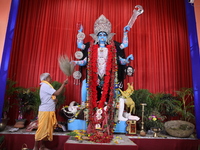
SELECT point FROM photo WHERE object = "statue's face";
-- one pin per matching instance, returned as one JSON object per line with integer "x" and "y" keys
{"x": 102, "y": 37}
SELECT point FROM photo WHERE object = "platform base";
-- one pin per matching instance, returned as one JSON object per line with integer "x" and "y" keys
{"x": 77, "y": 124}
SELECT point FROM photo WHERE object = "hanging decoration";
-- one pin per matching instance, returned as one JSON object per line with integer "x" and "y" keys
{"x": 77, "y": 76}
{"x": 78, "y": 55}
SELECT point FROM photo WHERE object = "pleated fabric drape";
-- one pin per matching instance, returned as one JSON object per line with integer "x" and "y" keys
{"x": 46, "y": 29}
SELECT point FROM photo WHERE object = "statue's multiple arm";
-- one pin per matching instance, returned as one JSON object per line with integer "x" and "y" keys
{"x": 124, "y": 61}
{"x": 80, "y": 45}
{"x": 124, "y": 44}
{"x": 80, "y": 62}
{"x": 125, "y": 38}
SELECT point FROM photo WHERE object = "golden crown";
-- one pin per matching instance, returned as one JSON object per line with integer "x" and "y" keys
{"x": 102, "y": 24}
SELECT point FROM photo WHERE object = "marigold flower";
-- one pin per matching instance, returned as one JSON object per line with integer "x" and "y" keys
{"x": 154, "y": 119}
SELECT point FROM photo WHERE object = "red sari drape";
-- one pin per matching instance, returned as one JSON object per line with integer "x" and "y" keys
{"x": 46, "y": 29}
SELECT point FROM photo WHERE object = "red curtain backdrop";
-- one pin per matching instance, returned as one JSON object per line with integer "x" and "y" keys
{"x": 46, "y": 29}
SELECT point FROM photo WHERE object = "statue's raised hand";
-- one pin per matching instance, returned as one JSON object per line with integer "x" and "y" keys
{"x": 126, "y": 29}
{"x": 80, "y": 28}
{"x": 130, "y": 57}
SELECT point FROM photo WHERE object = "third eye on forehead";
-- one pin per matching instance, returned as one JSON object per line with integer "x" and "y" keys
{"x": 102, "y": 34}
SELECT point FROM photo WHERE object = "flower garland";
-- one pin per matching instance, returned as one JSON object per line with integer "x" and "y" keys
{"x": 101, "y": 127}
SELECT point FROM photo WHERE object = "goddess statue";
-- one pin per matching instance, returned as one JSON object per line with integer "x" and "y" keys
{"x": 105, "y": 61}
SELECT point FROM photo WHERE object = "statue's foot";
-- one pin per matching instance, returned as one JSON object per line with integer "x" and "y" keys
{"x": 133, "y": 118}
{"x": 126, "y": 115}
{"x": 121, "y": 118}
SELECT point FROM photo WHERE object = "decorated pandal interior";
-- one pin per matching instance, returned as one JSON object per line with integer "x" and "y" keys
{"x": 109, "y": 116}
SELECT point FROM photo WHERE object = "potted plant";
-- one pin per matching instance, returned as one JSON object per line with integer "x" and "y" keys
{"x": 35, "y": 107}
{"x": 185, "y": 109}
{"x": 9, "y": 94}
{"x": 143, "y": 96}
{"x": 152, "y": 115}
{"x": 26, "y": 101}
{"x": 155, "y": 120}
{"x": 167, "y": 104}
{"x": 159, "y": 107}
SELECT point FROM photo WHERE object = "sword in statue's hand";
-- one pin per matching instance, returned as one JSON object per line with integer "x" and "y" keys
{"x": 136, "y": 12}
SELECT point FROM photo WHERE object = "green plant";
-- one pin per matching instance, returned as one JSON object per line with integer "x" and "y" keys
{"x": 35, "y": 107}
{"x": 9, "y": 94}
{"x": 158, "y": 105}
{"x": 166, "y": 104}
{"x": 163, "y": 105}
{"x": 26, "y": 100}
{"x": 142, "y": 96}
{"x": 155, "y": 120}
{"x": 185, "y": 105}
{"x": 2, "y": 138}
